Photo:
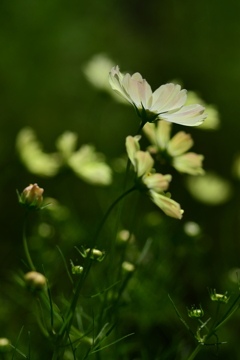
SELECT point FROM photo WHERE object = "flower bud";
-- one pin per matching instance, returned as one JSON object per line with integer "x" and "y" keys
{"x": 96, "y": 254}
{"x": 223, "y": 298}
{"x": 31, "y": 197}
{"x": 35, "y": 280}
{"x": 5, "y": 345}
{"x": 77, "y": 270}
{"x": 194, "y": 312}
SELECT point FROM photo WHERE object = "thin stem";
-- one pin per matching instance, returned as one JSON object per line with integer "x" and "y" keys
{"x": 109, "y": 211}
{"x": 69, "y": 317}
{"x": 25, "y": 245}
{"x": 195, "y": 352}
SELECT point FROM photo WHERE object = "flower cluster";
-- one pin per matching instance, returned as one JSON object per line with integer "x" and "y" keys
{"x": 166, "y": 103}
{"x": 151, "y": 183}
{"x": 174, "y": 149}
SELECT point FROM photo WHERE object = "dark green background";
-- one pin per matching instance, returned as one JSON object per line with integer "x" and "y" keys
{"x": 44, "y": 46}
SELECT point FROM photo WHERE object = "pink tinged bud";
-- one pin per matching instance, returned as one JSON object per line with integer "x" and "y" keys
{"x": 31, "y": 197}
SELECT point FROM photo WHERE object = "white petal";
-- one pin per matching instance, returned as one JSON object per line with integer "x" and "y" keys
{"x": 163, "y": 132}
{"x": 157, "y": 182}
{"x": 190, "y": 115}
{"x": 168, "y": 97}
{"x": 150, "y": 131}
{"x": 179, "y": 144}
{"x": 144, "y": 162}
{"x": 132, "y": 146}
{"x": 168, "y": 206}
{"x": 189, "y": 163}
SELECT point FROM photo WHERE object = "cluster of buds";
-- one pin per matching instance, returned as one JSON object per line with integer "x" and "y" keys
{"x": 195, "y": 312}
{"x": 35, "y": 281}
{"x": 31, "y": 197}
{"x": 221, "y": 298}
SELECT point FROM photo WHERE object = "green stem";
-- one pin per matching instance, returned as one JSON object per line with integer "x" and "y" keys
{"x": 109, "y": 211}
{"x": 195, "y": 352}
{"x": 64, "y": 332}
{"x": 25, "y": 245}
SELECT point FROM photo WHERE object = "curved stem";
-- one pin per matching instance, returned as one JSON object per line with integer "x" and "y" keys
{"x": 25, "y": 245}
{"x": 109, "y": 211}
{"x": 69, "y": 317}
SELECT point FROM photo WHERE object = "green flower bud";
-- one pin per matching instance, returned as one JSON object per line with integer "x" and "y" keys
{"x": 96, "y": 254}
{"x": 77, "y": 270}
{"x": 194, "y": 312}
{"x": 31, "y": 197}
{"x": 223, "y": 298}
{"x": 5, "y": 345}
{"x": 35, "y": 280}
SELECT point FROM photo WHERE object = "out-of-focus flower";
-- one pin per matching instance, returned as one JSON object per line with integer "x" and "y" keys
{"x": 151, "y": 183}
{"x": 166, "y": 103}
{"x": 191, "y": 228}
{"x": 96, "y": 72}
{"x": 213, "y": 118}
{"x": 31, "y": 197}
{"x": 128, "y": 267}
{"x": 90, "y": 166}
{"x": 5, "y": 345}
{"x": 86, "y": 163}
{"x": 210, "y": 189}
{"x": 66, "y": 144}
{"x": 35, "y": 280}
{"x": 174, "y": 149}
{"x": 33, "y": 157}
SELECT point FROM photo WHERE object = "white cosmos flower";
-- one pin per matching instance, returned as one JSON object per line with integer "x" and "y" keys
{"x": 166, "y": 103}
{"x": 151, "y": 183}
{"x": 174, "y": 149}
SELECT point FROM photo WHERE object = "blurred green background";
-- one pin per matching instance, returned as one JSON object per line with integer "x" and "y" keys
{"x": 45, "y": 46}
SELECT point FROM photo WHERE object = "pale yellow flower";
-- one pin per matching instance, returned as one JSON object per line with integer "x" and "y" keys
{"x": 210, "y": 189}
{"x": 166, "y": 103}
{"x": 174, "y": 149}
{"x": 32, "y": 155}
{"x": 90, "y": 166}
{"x": 153, "y": 184}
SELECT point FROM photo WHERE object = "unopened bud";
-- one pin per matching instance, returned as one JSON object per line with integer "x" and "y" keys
{"x": 5, "y": 345}
{"x": 223, "y": 298}
{"x": 31, "y": 197}
{"x": 96, "y": 254}
{"x": 194, "y": 312}
{"x": 77, "y": 270}
{"x": 35, "y": 280}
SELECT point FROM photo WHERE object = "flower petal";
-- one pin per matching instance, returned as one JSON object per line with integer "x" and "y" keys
{"x": 189, "y": 163}
{"x": 179, "y": 144}
{"x": 190, "y": 115}
{"x": 132, "y": 146}
{"x": 168, "y": 206}
{"x": 168, "y": 97}
{"x": 157, "y": 182}
{"x": 143, "y": 163}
